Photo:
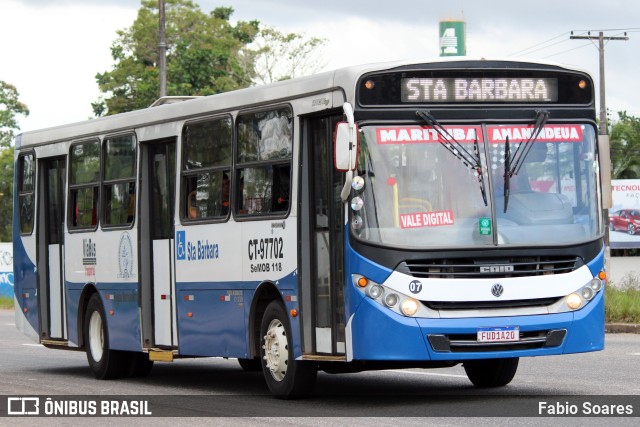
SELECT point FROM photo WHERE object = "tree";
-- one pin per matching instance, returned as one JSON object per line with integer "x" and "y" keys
{"x": 6, "y": 193}
{"x": 625, "y": 147}
{"x": 285, "y": 56}
{"x": 206, "y": 54}
{"x": 10, "y": 107}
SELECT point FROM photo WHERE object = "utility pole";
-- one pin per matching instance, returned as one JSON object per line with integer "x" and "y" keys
{"x": 162, "y": 51}
{"x": 601, "y": 38}
{"x": 602, "y": 131}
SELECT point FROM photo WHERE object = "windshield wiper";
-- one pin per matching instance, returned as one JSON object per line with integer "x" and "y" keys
{"x": 512, "y": 165}
{"x": 518, "y": 157}
{"x": 507, "y": 176}
{"x": 470, "y": 160}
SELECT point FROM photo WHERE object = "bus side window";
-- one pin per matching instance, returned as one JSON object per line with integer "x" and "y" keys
{"x": 263, "y": 159}
{"x": 84, "y": 184}
{"x": 206, "y": 168}
{"x": 26, "y": 171}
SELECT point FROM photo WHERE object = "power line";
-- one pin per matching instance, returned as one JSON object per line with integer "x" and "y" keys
{"x": 538, "y": 44}
{"x": 567, "y": 50}
{"x": 610, "y": 29}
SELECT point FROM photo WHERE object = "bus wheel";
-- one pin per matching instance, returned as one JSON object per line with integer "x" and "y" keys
{"x": 491, "y": 372}
{"x": 286, "y": 377}
{"x": 104, "y": 363}
{"x": 250, "y": 365}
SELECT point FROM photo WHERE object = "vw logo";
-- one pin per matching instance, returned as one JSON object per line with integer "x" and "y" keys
{"x": 497, "y": 290}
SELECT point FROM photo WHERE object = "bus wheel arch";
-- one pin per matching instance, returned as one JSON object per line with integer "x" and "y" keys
{"x": 87, "y": 292}
{"x": 264, "y": 294}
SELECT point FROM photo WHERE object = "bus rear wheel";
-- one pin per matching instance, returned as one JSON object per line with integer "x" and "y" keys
{"x": 286, "y": 377}
{"x": 491, "y": 372}
{"x": 104, "y": 363}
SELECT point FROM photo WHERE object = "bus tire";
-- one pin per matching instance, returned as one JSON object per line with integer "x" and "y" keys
{"x": 487, "y": 373}
{"x": 250, "y": 365}
{"x": 104, "y": 363}
{"x": 286, "y": 377}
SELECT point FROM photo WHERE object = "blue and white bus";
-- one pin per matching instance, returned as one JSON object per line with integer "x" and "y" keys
{"x": 392, "y": 215}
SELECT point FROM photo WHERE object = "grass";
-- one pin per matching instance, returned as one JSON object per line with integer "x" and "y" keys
{"x": 622, "y": 300}
{"x": 6, "y": 302}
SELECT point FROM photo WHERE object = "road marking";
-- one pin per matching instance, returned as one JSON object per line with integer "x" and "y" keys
{"x": 33, "y": 345}
{"x": 433, "y": 374}
{"x": 634, "y": 354}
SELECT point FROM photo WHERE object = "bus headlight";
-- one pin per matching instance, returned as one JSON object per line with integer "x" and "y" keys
{"x": 390, "y": 298}
{"x": 375, "y": 291}
{"x": 574, "y": 301}
{"x": 410, "y": 306}
{"x": 596, "y": 284}
{"x": 580, "y": 297}
{"x": 587, "y": 293}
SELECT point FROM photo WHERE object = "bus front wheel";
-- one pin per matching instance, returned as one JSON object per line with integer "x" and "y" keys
{"x": 104, "y": 363}
{"x": 491, "y": 372}
{"x": 286, "y": 377}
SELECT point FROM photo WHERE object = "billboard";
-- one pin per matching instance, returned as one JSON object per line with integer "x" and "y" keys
{"x": 453, "y": 38}
{"x": 624, "y": 216}
{"x": 6, "y": 270}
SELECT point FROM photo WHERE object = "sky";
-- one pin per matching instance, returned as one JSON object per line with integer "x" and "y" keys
{"x": 51, "y": 50}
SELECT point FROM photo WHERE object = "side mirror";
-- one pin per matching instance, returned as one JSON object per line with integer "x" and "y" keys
{"x": 604, "y": 156}
{"x": 345, "y": 147}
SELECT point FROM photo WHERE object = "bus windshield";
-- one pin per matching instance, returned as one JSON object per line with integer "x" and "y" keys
{"x": 419, "y": 194}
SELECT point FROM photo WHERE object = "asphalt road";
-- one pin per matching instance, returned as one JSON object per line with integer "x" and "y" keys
{"x": 214, "y": 391}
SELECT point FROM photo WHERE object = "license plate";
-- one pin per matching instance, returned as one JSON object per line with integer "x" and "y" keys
{"x": 499, "y": 334}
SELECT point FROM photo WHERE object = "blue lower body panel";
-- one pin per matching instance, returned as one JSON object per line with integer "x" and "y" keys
{"x": 380, "y": 334}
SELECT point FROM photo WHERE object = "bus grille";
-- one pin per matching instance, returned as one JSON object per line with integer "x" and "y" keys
{"x": 466, "y": 268}
{"x": 467, "y": 343}
{"x": 477, "y": 305}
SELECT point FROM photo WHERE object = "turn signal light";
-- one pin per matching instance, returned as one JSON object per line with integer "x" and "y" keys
{"x": 363, "y": 282}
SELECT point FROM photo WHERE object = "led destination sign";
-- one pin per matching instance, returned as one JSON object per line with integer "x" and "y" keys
{"x": 472, "y": 89}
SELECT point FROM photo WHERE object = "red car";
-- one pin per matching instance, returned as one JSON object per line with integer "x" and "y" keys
{"x": 625, "y": 219}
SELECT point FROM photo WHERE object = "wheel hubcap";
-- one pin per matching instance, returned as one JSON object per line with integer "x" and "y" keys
{"x": 96, "y": 336}
{"x": 276, "y": 350}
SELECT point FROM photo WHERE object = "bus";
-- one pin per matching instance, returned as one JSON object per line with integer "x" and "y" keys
{"x": 398, "y": 215}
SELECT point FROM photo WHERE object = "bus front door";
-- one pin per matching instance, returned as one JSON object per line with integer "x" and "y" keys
{"x": 50, "y": 236}
{"x": 322, "y": 226}
{"x": 157, "y": 204}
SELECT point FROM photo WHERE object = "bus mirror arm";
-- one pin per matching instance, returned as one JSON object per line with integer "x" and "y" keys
{"x": 346, "y": 189}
